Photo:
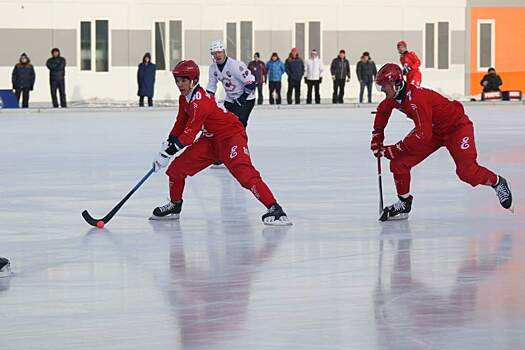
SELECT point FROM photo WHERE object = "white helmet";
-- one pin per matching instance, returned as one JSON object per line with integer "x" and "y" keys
{"x": 216, "y": 46}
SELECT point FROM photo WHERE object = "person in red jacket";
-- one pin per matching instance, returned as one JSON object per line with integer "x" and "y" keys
{"x": 223, "y": 138}
{"x": 410, "y": 63}
{"x": 439, "y": 122}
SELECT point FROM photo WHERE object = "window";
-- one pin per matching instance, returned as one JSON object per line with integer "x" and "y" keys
{"x": 443, "y": 45}
{"x": 97, "y": 47}
{"x": 175, "y": 42}
{"x": 429, "y": 45}
{"x": 300, "y": 38}
{"x": 314, "y": 36}
{"x": 160, "y": 45}
{"x": 85, "y": 45}
{"x": 231, "y": 39}
{"x": 310, "y": 33}
{"x": 246, "y": 41}
{"x": 486, "y": 45}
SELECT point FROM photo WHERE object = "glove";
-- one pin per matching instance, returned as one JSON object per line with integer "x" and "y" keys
{"x": 406, "y": 69}
{"x": 305, "y": 81}
{"x": 376, "y": 144}
{"x": 392, "y": 151}
{"x": 241, "y": 99}
{"x": 320, "y": 80}
{"x": 347, "y": 80}
{"x": 161, "y": 160}
{"x": 333, "y": 77}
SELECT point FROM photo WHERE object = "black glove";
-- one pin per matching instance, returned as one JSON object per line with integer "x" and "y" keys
{"x": 241, "y": 100}
{"x": 406, "y": 70}
{"x": 172, "y": 145}
{"x": 305, "y": 81}
{"x": 320, "y": 80}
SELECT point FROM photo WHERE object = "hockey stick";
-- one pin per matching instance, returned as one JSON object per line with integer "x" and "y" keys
{"x": 380, "y": 181}
{"x": 101, "y": 222}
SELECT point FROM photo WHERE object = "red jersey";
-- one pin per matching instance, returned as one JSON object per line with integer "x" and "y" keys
{"x": 432, "y": 113}
{"x": 410, "y": 59}
{"x": 201, "y": 113}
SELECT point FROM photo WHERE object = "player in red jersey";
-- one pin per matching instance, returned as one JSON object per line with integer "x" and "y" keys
{"x": 410, "y": 63}
{"x": 223, "y": 139}
{"x": 439, "y": 122}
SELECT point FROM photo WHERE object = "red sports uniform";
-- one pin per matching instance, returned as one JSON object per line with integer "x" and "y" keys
{"x": 438, "y": 122}
{"x": 223, "y": 139}
{"x": 410, "y": 60}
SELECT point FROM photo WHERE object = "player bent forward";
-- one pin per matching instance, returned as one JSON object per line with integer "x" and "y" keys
{"x": 223, "y": 139}
{"x": 439, "y": 122}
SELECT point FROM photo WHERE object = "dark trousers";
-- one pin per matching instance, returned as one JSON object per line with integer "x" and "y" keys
{"x": 242, "y": 112}
{"x": 141, "y": 101}
{"x": 275, "y": 86}
{"x": 339, "y": 91}
{"x": 313, "y": 84}
{"x": 59, "y": 85}
{"x": 294, "y": 85}
{"x": 368, "y": 86}
{"x": 260, "y": 98}
{"x": 25, "y": 97}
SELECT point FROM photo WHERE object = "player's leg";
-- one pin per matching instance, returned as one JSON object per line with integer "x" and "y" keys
{"x": 317, "y": 94}
{"x": 53, "y": 84}
{"x": 278, "y": 92}
{"x": 289, "y": 91}
{"x": 297, "y": 92}
{"x": 341, "y": 97}
{"x": 236, "y": 156}
{"x": 309, "y": 85}
{"x": 195, "y": 158}
{"x": 271, "y": 89}
{"x": 462, "y": 147}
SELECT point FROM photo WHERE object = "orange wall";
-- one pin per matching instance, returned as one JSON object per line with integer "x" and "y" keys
{"x": 510, "y": 46}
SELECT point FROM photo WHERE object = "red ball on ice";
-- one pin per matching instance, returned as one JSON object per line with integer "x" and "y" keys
{"x": 100, "y": 224}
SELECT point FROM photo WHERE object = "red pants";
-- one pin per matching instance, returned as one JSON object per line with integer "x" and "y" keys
{"x": 414, "y": 77}
{"x": 233, "y": 152}
{"x": 461, "y": 146}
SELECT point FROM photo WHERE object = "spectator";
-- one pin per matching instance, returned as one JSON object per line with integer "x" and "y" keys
{"x": 258, "y": 69}
{"x": 57, "y": 77}
{"x": 23, "y": 79}
{"x": 491, "y": 81}
{"x": 340, "y": 69}
{"x": 275, "y": 71}
{"x": 314, "y": 71}
{"x": 294, "y": 67}
{"x": 146, "y": 79}
{"x": 366, "y": 72}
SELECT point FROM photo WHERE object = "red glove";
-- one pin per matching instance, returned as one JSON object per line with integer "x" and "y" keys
{"x": 377, "y": 142}
{"x": 392, "y": 151}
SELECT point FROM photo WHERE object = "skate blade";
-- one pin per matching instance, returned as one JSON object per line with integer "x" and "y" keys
{"x": 165, "y": 218}
{"x": 403, "y": 216}
{"x": 5, "y": 272}
{"x": 283, "y": 221}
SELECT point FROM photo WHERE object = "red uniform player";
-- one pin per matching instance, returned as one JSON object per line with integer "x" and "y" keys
{"x": 223, "y": 139}
{"x": 439, "y": 122}
{"x": 410, "y": 63}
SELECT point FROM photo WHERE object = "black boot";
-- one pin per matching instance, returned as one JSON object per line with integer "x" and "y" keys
{"x": 276, "y": 216}
{"x": 503, "y": 192}
{"x": 170, "y": 211}
{"x": 398, "y": 210}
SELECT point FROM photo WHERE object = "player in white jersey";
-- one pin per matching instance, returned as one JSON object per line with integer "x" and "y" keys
{"x": 237, "y": 80}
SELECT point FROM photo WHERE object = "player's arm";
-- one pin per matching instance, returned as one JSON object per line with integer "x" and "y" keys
{"x": 198, "y": 112}
{"x": 421, "y": 113}
{"x": 212, "y": 81}
{"x": 384, "y": 111}
{"x": 244, "y": 75}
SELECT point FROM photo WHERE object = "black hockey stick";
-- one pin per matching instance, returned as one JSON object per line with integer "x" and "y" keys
{"x": 95, "y": 222}
{"x": 380, "y": 181}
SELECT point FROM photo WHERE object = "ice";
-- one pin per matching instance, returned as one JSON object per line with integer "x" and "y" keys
{"x": 451, "y": 277}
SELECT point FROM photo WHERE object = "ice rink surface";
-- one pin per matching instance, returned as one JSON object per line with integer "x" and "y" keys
{"x": 452, "y": 277}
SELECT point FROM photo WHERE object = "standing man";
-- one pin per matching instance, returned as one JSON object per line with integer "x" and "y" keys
{"x": 146, "y": 80}
{"x": 313, "y": 78}
{"x": 340, "y": 69}
{"x": 237, "y": 80}
{"x": 57, "y": 77}
{"x": 258, "y": 69}
{"x": 23, "y": 79}
{"x": 276, "y": 70}
{"x": 294, "y": 67}
{"x": 366, "y": 72}
{"x": 410, "y": 63}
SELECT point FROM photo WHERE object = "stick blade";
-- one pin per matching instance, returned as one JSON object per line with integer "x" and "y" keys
{"x": 89, "y": 219}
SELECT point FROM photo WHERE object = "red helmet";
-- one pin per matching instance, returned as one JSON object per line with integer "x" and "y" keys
{"x": 186, "y": 69}
{"x": 402, "y": 43}
{"x": 389, "y": 73}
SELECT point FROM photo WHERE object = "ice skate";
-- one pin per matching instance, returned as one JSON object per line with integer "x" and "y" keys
{"x": 5, "y": 267}
{"x": 170, "y": 211}
{"x": 504, "y": 193}
{"x": 276, "y": 217}
{"x": 398, "y": 210}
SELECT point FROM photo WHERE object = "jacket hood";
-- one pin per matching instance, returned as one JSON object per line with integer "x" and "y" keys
{"x": 146, "y": 55}
{"x": 26, "y": 56}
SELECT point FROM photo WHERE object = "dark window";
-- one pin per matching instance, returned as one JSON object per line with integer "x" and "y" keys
{"x": 429, "y": 45}
{"x": 102, "y": 46}
{"x": 246, "y": 41}
{"x": 314, "y": 36}
{"x": 485, "y": 45}
{"x": 85, "y": 45}
{"x": 300, "y": 38}
{"x": 175, "y": 43}
{"x": 443, "y": 45}
{"x": 160, "y": 45}
{"x": 231, "y": 39}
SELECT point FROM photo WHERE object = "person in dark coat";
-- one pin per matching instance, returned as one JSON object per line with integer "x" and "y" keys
{"x": 491, "y": 81}
{"x": 366, "y": 72}
{"x": 258, "y": 69}
{"x": 146, "y": 80}
{"x": 340, "y": 69}
{"x": 57, "y": 77}
{"x": 23, "y": 79}
{"x": 294, "y": 67}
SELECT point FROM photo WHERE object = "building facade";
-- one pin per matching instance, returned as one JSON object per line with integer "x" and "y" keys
{"x": 104, "y": 41}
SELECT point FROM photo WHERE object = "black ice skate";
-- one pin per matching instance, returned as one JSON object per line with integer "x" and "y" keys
{"x": 504, "y": 193}
{"x": 170, "y": 211}
{"x": 276, "y": 216}
{"x": 398, "y": 210}
{"x": 5, "y": 267}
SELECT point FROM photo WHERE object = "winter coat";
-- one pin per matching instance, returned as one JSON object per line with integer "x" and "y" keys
{"x": 294, "y": 68}
{"x": 23, "y": 76}
{"x": 258, "y": 69}
{"x": 146, "y": 79}
{"x": 340, "y": 68}
{"x": 366, "y": 72}
{"x": 314, "y": 69}
{"x": 493, "y": 82}
{"x": 275, "y": 70}
{"x": 57, "y": 68}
